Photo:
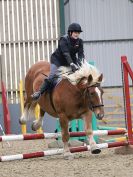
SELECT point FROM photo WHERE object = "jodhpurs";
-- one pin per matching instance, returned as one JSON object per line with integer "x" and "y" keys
{"x": 53, "y": 70}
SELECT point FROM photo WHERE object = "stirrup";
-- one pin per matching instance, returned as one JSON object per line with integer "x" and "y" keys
{"x": 36, "y": 95}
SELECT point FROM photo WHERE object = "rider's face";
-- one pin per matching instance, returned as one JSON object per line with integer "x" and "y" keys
{"x": 75, "y": 35}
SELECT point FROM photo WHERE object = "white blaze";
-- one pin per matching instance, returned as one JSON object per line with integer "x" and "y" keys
{"x": 99, "y": 93}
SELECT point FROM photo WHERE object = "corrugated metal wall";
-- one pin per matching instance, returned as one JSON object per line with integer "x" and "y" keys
{"x": 108, "y": 33}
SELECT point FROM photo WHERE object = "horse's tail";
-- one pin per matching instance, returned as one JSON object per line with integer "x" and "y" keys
{"x": 28, "y": 113}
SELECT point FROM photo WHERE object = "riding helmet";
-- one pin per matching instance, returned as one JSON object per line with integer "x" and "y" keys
{"x": 74, "y": 27}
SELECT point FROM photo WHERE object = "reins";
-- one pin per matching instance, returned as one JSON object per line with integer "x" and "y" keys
{"x": 58, "y": 76}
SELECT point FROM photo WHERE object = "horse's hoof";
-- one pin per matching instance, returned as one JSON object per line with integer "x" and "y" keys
{"x": 95, "y": 150}
{"x": 35, "y": 126}
{"x": 68, "y": 156}
{"x": 22, "y": 121}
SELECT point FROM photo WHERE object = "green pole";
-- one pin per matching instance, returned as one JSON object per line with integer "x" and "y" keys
{"x": 62, "y": 17}
{"x": 108, "y": 128}
{"x": 58, "y": 127}
{"x": 81, "y": 128}
{"x": 73, "y": 126}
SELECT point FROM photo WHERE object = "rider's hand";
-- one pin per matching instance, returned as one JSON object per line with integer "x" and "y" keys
{"x": 74, "y": 67}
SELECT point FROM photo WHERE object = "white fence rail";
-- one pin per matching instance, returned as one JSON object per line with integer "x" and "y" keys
{"x": 29, "y": 33}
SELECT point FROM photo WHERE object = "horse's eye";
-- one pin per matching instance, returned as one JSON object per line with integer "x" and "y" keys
{"x": 92, "y": 94}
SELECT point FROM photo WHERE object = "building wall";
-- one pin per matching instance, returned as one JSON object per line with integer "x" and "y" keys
{"x": 108, "y": 33}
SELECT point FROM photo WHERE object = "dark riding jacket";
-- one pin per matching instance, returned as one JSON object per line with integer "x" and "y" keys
{"x": 69, "y": 51}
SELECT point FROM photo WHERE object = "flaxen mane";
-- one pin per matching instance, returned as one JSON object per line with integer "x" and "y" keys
{"x": 85, "y": 70}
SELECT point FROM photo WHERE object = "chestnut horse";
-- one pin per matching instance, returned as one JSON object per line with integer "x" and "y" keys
{"x": 68, "y": 100}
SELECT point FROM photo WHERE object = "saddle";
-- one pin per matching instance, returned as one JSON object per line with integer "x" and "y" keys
{"x": 57, "y": 78}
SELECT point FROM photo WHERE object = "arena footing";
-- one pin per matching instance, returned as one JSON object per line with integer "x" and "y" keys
{"x": 59, "y": 151}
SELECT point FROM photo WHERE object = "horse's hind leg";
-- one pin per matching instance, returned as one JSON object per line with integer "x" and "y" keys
{"x": 38, "y": 122}
{"x": 28, "y": 111}
{"x": 65, "y": 136}
{"x": 88, "y": 128}
{"x": 23, "y": 118}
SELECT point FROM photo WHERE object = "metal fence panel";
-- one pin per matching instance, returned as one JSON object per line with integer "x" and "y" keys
{"x": 29, "y": 33}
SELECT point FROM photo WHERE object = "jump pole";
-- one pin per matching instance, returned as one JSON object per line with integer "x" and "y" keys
{"x": 57, "y": 135}
{"x": 127, "y": 71}
{"x": 6, "y": 113}
{"x": 59, "y": 151}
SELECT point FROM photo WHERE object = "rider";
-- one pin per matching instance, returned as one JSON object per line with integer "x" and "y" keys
{"x": 65, "y": 55}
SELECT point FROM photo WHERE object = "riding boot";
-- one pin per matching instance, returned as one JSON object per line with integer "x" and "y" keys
{"x": 42, "y": 89}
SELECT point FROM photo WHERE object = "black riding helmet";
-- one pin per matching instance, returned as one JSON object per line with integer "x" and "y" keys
{"x": 74, "y": 27}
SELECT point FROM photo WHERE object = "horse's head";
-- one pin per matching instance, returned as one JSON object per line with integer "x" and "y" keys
{"x": 93, "y": 92}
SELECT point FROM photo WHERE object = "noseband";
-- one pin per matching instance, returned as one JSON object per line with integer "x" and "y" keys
{"x": 92, "y": 107}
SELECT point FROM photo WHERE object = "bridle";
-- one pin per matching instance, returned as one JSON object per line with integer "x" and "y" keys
{"x": 92, "y": 107}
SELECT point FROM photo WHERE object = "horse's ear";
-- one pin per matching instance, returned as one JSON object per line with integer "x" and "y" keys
{"x": 90, "y": 79}
{"x": 100, "y": 78}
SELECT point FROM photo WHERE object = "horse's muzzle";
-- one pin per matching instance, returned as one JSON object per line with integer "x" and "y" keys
{"x": 99, "y": 116}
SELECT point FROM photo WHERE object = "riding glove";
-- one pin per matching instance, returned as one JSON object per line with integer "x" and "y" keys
{"x": 74, "y": 67}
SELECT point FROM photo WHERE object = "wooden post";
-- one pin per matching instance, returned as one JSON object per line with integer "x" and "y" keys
{"x": 23, "y": 127}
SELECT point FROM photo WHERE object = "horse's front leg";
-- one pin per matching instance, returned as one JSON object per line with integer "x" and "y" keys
{"x": 64, "y": 122}
{"x": 88, "y": 129}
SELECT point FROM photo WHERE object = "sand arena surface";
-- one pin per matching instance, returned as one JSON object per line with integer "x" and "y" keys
{"x": 106, "y": 164}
